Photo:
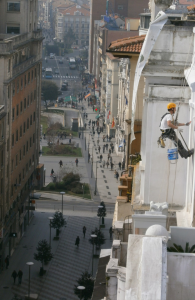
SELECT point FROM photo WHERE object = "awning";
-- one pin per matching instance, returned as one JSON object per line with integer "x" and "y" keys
{"x": 87, "y": 95}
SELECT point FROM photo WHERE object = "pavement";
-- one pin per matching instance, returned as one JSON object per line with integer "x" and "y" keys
{"x": 66, "y": 266}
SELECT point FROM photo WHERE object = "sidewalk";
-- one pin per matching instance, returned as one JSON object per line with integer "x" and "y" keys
{"x": 107, "y": 185}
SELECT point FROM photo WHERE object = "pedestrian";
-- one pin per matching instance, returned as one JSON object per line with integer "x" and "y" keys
{"x": 108, "y": 156}
{"x": 77, "y": 241}
{"x": 7, "y": 262}
{"x": 112, "y": 148}
{"x": 84, "y": 231}
{"x": 101, "y": 157}
{"x": 76, "y": 161}
{"x": 117, "y": 176}
{"x": 109, "y": 151}
{"x": 119, "y": 164}
{"x": 106, "y": 146}
{"x": 103, "y": 148}
{"x": 89, "y": 155}
{"x": 99, "y": 148}
{"x": 104, "y": 163}
{"x": 20, "y": 274}
{"x": 107, "y": 163}
{"x": 14, "y": 275}
{"x": 111, "y": 165}
{"x": 79, "y": 134}
{"x": 107, "y": 137}
{"x": 52, "y": 171}
{"x": 110, "y": 232}
{"x": 69, "y": 141}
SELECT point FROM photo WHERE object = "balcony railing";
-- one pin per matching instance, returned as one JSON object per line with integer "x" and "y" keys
{"x": 19, "y": 68}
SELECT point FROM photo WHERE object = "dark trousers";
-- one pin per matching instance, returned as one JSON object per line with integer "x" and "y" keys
{"x": 170, "y": 134}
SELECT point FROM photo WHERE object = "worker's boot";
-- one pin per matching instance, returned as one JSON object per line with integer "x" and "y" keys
{"x": 161, "y": 142}
{"x": 184, "y": 153}
{"x": 190, "y": 152}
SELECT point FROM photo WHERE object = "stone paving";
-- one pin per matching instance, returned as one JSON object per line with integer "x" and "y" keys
{"x": 65, "y": 268}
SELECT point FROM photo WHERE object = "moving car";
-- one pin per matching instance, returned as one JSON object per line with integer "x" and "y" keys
{"x": 61, "y": 61}
{"x": 57, "y": 71}
{"x": 64, "y": 87}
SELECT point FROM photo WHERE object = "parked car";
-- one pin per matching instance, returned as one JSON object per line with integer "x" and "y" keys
{"x": 61, "y": 61}
{"x": 60, "y": 100}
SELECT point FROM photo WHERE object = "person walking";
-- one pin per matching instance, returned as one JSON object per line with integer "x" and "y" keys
{"x": 69, "y": 141}
{"x": 110, "y": 232}
{"x": 107, "y": 138}
{"x": 52, "y": 172}
{"x": 14, "y": 275}
{"x": 101, "y": 157}
{"x": 7, "y": 262}
{"x": 104, "y": 149}
{"x": 117, "y": 176}
{"x": 104, "y": 163}
{"x": 77, "y": 242}
{"x": 99, "y": 148}
{"x": 107, "y": 163}
{"x": 109, "y": 151}
{"x": 76, "y": 161}
{"x": 89, "y": 155}
{"x": 119, "y": 164}
{"x": 20, "y": 274}
{"x": 111, "y": 165}
{"x": 106, "y": 146}
{"x": 84, "y": 231}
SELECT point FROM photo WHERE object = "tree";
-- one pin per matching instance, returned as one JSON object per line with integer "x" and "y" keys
{"x": 69, "y": 38}
{"x": 99, "y": 240}
{"x": 58, "y": 222}
{"x": 43, "y": 254}
{"x": 49, "y": 90}
{"x": 102, "y": 211}
{"x": 88, "y": 282}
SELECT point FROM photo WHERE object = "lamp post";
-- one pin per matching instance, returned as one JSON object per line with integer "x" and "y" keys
{"x": 29, "y": 264}
{"x": 81, "y": 288}
{"x": 93, "y": 236}
{"x": 62, "y": 193}
{"x": 50, "y": 219}
{"x": 96, "y": 180}
{"x": 88, "y": 152}
{"x": 100, "y": 207}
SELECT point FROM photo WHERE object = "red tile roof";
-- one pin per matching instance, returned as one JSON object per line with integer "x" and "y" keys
{"x": 131, "y": 44}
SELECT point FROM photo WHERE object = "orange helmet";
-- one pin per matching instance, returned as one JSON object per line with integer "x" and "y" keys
{"x": 171, "y": 105}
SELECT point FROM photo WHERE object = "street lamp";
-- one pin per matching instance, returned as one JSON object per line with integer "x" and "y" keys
{"x": 88, "y": 152}
{"x": 81, "y": 288}
{"x": 50, "y": 219}
{"x": 96, "y": 179}
{"x": 29, "y": 264}
{"x": 100, "y": 207}
{"x": 62, "y": 193}
{"x": 93, "y": 236}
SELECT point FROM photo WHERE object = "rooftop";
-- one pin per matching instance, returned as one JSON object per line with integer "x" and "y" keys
{"x": 131, "y": 44}
{"x": 76, "y": 8}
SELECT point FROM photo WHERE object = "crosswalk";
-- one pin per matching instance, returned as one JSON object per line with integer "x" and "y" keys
{"x": 64, "y": 77}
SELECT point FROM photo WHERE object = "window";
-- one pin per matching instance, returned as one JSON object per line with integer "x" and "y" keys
{"x": 28, "y": 123}
{"x": 13, "y": 90}
{"x": 17, "y": 110}
{"x": 8, "y": 144}
{"x": 21, "y": 106}
{"x": 13, "y": 6}
{"x": 8, "y": 92}
{"x": 24, "y": 150}
{"x": 31, "y": 98}
{"x": 12, "y": 140}
{"x": 13, "y": 113}
{"x": 20, "y": 158}
{"x": 17, "y": 135}
{"x": 16, "y": 160}
{"x": 20, "y": 178}
{"x": 26, "y": 168}
{"x": 33, "y": 158}
{"x": 9, "y": 65}
{"x": 24, "y": 127}
{"x": 20, "y": 131}
{"x": 1, "y": 185}
{"x": 35, "y": 94}
{"x": 28, "y": 77}
{"x": 23, "y": 174}
{"x": 7, "y": 170}
{"x": 35, "y": 73}
{"x": 24, "y": 103}
{"x": 24, "y": 80}
{"x": 34, "y": 116}
{"x": 32, "y": 75}
{"x": 26, "y": 146}
{"x": 29, "y": 163}
{"x": 28, "y": 101}
{"x": 30, "y": 142}
{"x": 30, "y": 120}
{"x": 33, "y": 138}
{"x": 18, "y": 86}
{"x": 12, "y": 165}
{"x": 13, "y": 29}
{"x": 120, "y": 7}
{"x": 21, "y": 84}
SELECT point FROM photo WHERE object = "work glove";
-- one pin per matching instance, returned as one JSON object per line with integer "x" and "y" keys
{"x": 187, "y": 124}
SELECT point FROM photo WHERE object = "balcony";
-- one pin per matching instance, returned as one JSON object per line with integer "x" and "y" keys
{"x": 24, "y": 65}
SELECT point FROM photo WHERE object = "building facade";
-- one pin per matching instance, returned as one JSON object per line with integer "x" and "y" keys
{"x": 20, "y": 90}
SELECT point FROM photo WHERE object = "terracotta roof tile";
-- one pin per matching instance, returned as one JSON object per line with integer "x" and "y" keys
{"x": 131, "y": 44}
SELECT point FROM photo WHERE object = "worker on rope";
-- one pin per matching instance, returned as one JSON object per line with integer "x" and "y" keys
{"x": 167, "y": 127}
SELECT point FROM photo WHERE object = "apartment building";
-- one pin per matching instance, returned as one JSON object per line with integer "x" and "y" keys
{"x": 20, "y": 90}
{"x": 77, "y": 18}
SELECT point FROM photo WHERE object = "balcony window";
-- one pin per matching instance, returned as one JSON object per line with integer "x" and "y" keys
{"x": 13, "y": 6}
{"x": 13, "y": 29}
